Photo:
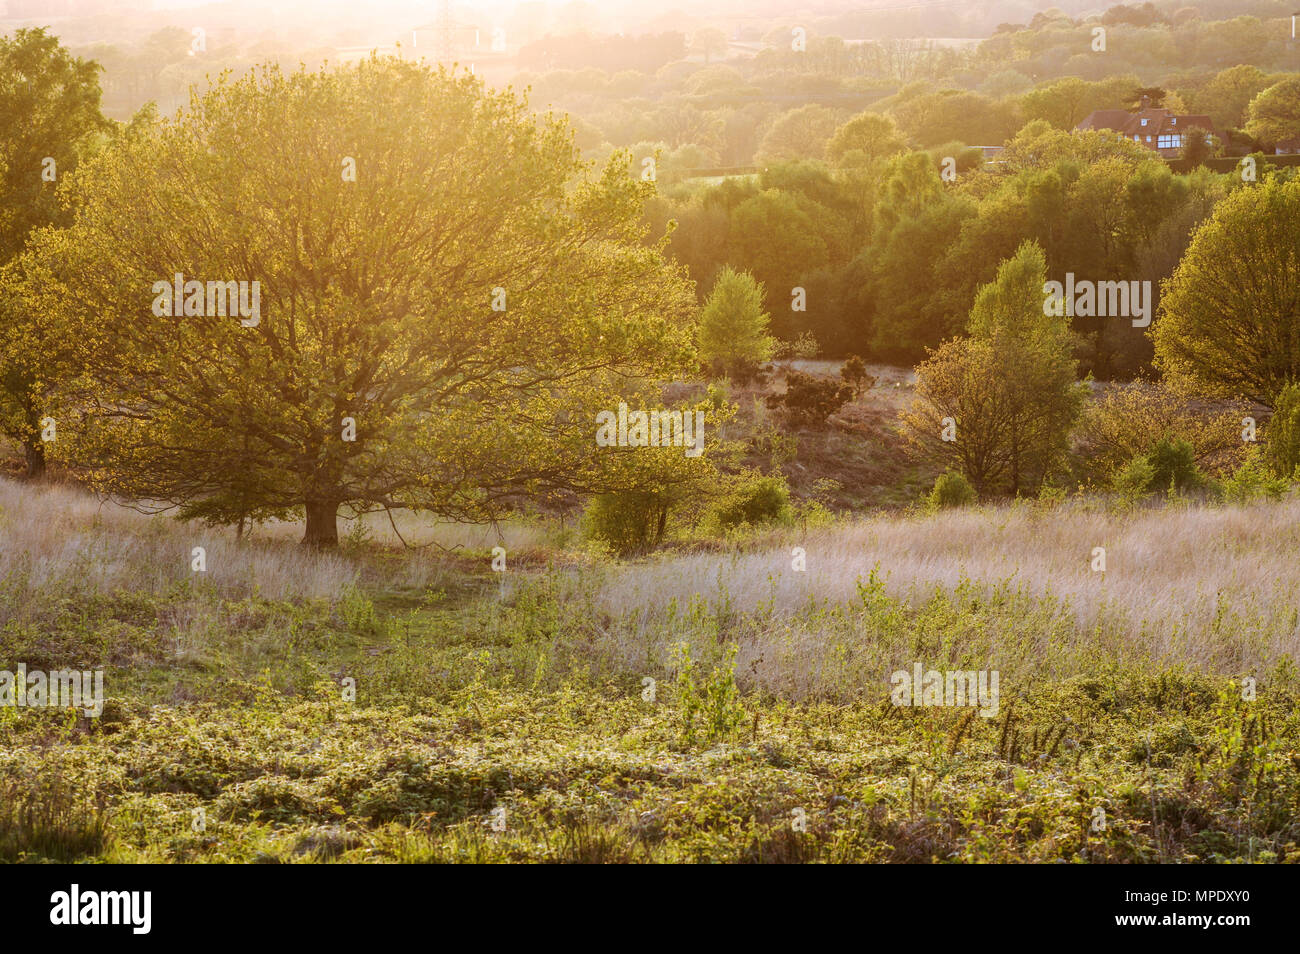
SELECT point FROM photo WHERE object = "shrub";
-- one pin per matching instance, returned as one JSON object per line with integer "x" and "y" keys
{"x": 1126, "y": 421}
{"x": 710, "y": 704}
{"x": 755, "y": 500}
{"x": 1050, "y": 497}
{"x": 809, "y": 400}
{"x": 627, "y": 521}
{"x": 951, "y": 489}
{"x": 1135, "y": 479}
{"x": 1173, "y": 465}
{"x": 854, "y": 373}
{"x": 357, "y": 611}
{"x": 1283, "y": 434}
{"x": 1169, "y": 466}
{"x": 1252, "y": 480}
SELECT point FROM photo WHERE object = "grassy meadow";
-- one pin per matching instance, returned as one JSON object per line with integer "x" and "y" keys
{"x": 864, "y": 435}
{"x": 510, "y": 716}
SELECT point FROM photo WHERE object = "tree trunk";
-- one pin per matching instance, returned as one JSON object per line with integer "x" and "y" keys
{"x": 322, "y": 524}
{"x": 35, "y": 453}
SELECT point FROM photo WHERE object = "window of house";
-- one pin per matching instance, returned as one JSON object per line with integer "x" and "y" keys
{"x": 1144, "y": 122}
{"x": 1169, "y": 142}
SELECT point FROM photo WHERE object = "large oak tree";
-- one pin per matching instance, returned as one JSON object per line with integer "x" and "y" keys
{"x": 377, "y": 295}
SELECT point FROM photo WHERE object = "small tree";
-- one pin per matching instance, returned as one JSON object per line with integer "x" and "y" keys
{"x": 1126, "y": 421}
{"x": 1197, "y": 146}
{"x": 809, "y": 400}
{"x": 1173, "y": 466}
{"x": 999, "y": 405}
{"x": 733, "y": 338}
{"x": 854, "y": 373}
{"x": 950, "y": 490}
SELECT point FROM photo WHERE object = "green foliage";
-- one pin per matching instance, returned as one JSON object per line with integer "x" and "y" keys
{"x": 1169, "y": 466}
{"x": 733, "y": 338}
{"x": 800, "y": 133}
{"x": 863, "y": 139}
{"x": 1135, "y": 479}
{"x": 945, "y": 115}
{"x": 1126, "y": 421}
{"x": 357, "y": 611}
{"x": 1274, "y": 114}
{"x": 1198, "y": 146}
{"x": 1009, "y": 389}
{"x": 1173, "y": 466}
{"x": 1226, "y": 327}
{"x": 1066, "y": 102}
{"x": 1282, "y": 449}
{"x": 629, "y": 522}
{"x": 49, "y": 110}
{"x": 854, "y": 373}
{"x": 709, "y": 703}
{"x": 236, "y": 421}
{"x": 49, "y": 114}
{"x": 753, "y": 500}
{"x": 511, "y": 701}
{"x": 1254, "y": 480}
{"x": 950, "y": 489}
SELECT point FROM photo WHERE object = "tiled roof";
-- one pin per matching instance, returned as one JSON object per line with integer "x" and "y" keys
{"x": 1158, "y": 121}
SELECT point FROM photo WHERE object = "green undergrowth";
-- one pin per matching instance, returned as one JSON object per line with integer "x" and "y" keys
{"x": 526, "y": 724}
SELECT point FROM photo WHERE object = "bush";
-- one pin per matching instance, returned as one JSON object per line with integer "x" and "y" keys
{"x": 1169, "y": 466}
{"x": 1173, "y": 466}
{"x": 854, "y": 373}
{"x": 1135, "y": 479}
{"x": 1283, "y": 434}
{"x": 1127, "y": 421}
{"x": 627, "y": 521}
{"x": 1253, "y": 480}
{"x": 755, "y": 500}
{"x": 951, "y": 489}
{"x": 808, "y": 400}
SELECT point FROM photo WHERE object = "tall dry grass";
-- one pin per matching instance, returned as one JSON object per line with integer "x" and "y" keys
{"x": 1214, "y": 588}
{"x": 56, "y": 537}
{"x": 1189, "y": 579}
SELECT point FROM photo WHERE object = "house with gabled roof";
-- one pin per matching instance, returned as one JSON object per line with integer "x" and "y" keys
{"x": 1159, "y": 129}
